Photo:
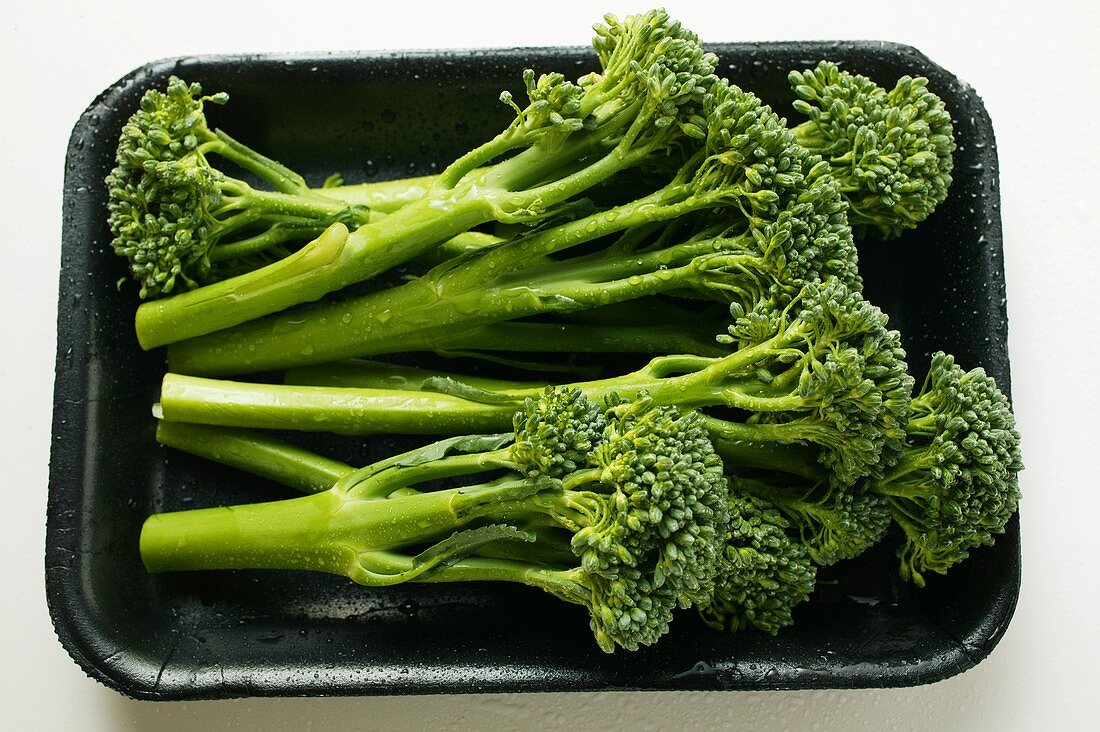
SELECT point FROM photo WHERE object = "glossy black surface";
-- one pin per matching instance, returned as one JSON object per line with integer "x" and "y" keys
{"x": 206, "y": 635}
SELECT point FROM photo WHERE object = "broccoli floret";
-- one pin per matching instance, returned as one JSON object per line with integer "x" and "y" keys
{"x": 955, "y": 486}
{"x": 844, "y": 371}
{"x": 557, "y": 435}
{"x": 764, "y": 573}
{"x": 831, "y": 523}
{"x": 180, "y": 220}
{"x": 890, "y": 151}
{"x": 643, "y": 515}
{"x": 751, "y": 218}
{"x": 952, "y": 486}
{"x": 646, "y": 103}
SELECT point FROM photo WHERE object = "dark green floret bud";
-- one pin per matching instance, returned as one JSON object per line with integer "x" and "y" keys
{"x": 557, "y": 433}
{"x": 180, "y": 221}
{"x": 891, "y": 151}
{"x": 627, "y": 610}
{"x": 765, "y": 571}
{"x": 157, "y": 203}
{"x": 670, "y": 493}
{"x": 794, "y": 208}
{"x": 847, "y": 370}
{"x": 956, "y": 485}
{"x": 832, "y": 524}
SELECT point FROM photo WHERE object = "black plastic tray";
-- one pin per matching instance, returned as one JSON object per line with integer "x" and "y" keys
{"x": 205, "y": 635}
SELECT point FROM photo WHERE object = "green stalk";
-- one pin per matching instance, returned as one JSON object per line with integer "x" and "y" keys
{"x": 382, "y": 196}
{"x": 792, "y": 459}
{"x": 686, "y": 381}
{"x": 464, "y": 243}
{"x": 471, "y": 569}
{"x": 497, "y": 193}
{"x": 307, "y": 205}
{"x": 326, "y": 532}
{"x": 258, "y": 243}
{"x": 378, "y": 375}
{"x": 318, "y": 409}
{"x": 255, "y": 453}
{"x": 650, "y": 311}
{"x": 538, "y": 337}
{"x": 280, "y": 177}
{"x": 900, "y": 483}
{"x": 260, "y": 454}
{"x": 443, "y": 303}
{"x": 374, "y": 483}
{"x": 528, "y": 337}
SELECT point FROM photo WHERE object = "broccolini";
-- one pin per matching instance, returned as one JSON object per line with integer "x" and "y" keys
{"x": 635, "y": 492}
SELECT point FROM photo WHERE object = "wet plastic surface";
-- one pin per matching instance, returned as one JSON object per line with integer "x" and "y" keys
{"x": 210, "y": 634}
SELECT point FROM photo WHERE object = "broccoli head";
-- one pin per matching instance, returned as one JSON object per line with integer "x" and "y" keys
{"x": 891, "y": 151}
{"x": 765, "y": 571}
{"x": 180, "y": 220}
{"x": 955, "y": 486}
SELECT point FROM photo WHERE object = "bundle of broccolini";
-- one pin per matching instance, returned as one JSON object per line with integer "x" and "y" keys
{"x": 774, "y": 429}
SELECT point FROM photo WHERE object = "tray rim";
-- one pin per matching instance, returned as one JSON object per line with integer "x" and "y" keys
{"x": 61, "y": 536}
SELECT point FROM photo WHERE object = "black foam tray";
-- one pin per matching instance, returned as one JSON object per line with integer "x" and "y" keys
{"x": 206, "y": 635}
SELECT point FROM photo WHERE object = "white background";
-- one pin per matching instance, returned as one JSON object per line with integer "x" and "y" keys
{"x": 1035, "y": 65}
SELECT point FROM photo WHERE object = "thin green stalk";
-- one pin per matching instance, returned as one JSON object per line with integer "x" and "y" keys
{"x": 382, "y": 483}
{"x": 792, "y": 459}
{"x": 256, "y": 453}
{"x": 298, "y": 205}
{"x": 318, "y": 409}
{"x": 444, "y": 302}
{"x": 278, "y": 234}
{"x": 686, "y": 381}
{"x": 382, "y": 196}
{"x": 280, "y": 177}
{"x": 568, "y": 338}
{"x": 327, "y": 532}
{"x": 362, "y": 373}
{"x": 495, "y": 193}
{"x": 912, "y": 460}
{"x": 471, "y": 569}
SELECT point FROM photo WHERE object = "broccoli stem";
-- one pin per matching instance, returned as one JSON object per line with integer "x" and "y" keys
{"x": 382, "y": 196}
{"x": 327, "y": 532}
{"x": 685, "y": 381}
{"x": 379, "y": 375}
{"x": 523, "y": 337}
{"x": 791, "y": 459}
{"x": 278, "y": 234}
{"x": 528, "y": 337}
{"x": 277, "y": 175}
{"x": 348, "y": 411}
{"x": 499, "y": 285}
{"x": 337, "y": 259}
{"x": 255, "y": 453}
{"x": 467, "y": 241}
{"x": 268, "y": 457}
{"x": 474, "y": 569}
{"x": 268, "y": 204}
